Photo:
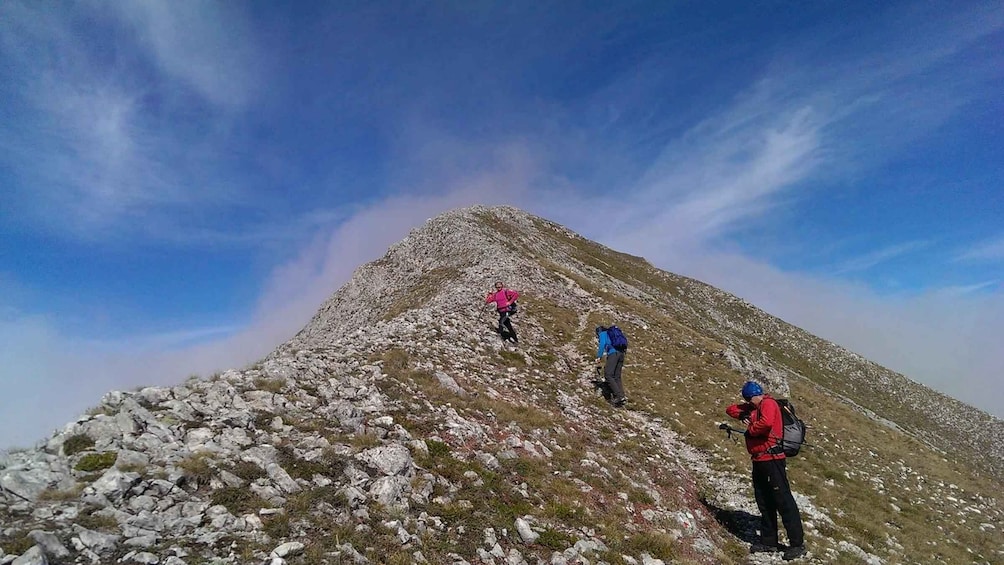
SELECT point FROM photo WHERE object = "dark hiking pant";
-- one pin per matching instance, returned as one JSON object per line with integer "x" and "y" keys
{"x": 506, "y": 326}
{"x": 612, "y": 374}
{"x": 773, "y": 496}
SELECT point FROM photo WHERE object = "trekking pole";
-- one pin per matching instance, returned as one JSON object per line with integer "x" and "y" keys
{"x": 729, "y": 430}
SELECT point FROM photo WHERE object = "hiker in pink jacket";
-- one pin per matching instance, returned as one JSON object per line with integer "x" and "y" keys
{"x": 505, "y": 305}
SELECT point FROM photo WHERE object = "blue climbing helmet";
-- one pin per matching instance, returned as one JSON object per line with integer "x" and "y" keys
{"x": 751, "y": 389}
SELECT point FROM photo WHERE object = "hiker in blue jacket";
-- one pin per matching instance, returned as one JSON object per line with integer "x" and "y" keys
{"x": 612, "y": 367}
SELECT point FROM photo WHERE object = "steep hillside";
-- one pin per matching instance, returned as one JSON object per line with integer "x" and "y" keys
{"x": 397, "y": 427}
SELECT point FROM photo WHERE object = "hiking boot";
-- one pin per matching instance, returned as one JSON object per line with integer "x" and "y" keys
{"x": 794, "y": 552}
{"x": 620, "y": 402}
{"x": 762, "y": 548}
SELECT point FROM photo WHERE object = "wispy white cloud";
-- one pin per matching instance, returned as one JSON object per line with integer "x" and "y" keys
{"x": 92, "y": 145}
{"x": 761, "y": 155}
{"x": 205, "y": 45}
{"x": 991, "y": 250}
{"x": 877, "y": 257}
{"x": 960, "y": 290}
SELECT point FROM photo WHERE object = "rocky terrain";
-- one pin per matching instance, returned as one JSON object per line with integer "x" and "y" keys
{"x": 397, "y": 427}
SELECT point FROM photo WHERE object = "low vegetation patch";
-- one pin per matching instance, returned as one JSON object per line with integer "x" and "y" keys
{"x": 17, "y": 543}
{"x": 512, "y": 358}
{"x": 96, "y": 461}
{"x": 197, "y": 468}
{"x": 133, "y": 468}
{"x": 77, "y": 443}
{"x": 555, "y": 540}
{"x": 364, "y": 441}
{"x": 246, "y": 470}
{"x": 330, "y": 464}
{"x": 90, "y": 519}
{"x": 262, "y": 420}
{"x": 238, "y": 500}
{"x": 395, "y": 361}
{"x": 427, "y": 283}
{"x": 277, "y": 526}
{"x": 269, "y": 385}
{"x": 437, "y": 449}
{"x": 53, "y": 494}
{"x": 306, "y": 501}
{"x": 656, "y": 544}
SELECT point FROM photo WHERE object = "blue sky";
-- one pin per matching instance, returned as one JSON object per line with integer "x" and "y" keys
{"x": 182, "y": 184}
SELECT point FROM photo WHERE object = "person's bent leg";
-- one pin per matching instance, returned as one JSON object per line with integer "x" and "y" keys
{"x": 512, "y": 331}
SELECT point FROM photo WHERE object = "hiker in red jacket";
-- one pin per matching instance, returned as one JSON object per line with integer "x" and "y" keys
{"x": 764, "y": 427}
{"x": 505, "y": 305}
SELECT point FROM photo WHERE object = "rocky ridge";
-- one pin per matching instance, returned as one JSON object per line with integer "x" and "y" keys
{"x": 396, "y": 428}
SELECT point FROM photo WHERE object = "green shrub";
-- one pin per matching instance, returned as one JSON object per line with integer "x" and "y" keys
{"x": 437, "y": 448}
{"x": 555, "y": 540}
{"x": 77, "y": 443}
{"x": 96, "y": 461}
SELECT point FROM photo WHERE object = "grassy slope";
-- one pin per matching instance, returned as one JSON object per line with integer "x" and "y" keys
{"x": 861, "y": 470}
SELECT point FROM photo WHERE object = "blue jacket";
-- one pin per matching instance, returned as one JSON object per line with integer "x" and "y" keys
{"x": 605, "y": 347}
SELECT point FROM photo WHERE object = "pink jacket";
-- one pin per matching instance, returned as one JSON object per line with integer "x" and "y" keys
{"x": 502, "y": 299}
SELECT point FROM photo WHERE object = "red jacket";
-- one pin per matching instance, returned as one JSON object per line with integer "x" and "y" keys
{"x": 765, "y": 427}
{"x": 502, "y": 298}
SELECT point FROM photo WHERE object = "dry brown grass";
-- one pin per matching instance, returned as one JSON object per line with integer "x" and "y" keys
{"x": 197, "y": 468}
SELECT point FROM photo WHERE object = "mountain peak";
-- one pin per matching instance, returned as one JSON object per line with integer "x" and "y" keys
{"x": 397, "y": 427}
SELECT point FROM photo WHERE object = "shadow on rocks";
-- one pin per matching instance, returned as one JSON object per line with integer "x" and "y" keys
{"x": 739, "y": 523}
{"x": 604, "y": 389}
{"x": 504, "y": 333}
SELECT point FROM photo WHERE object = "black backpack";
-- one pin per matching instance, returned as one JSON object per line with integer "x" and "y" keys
{"x": 794, "y": 428}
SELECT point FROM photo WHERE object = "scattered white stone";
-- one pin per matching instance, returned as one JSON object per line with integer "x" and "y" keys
{"x": 34, "y": 556}
{"x": 146, "y": 558}
{"x": 288, "y": 549}
{"x": 525, "y": 532}
{"x": 49, "y": 544}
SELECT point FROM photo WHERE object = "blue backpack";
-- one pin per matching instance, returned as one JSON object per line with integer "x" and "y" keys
{"x": 617, "y": 339}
